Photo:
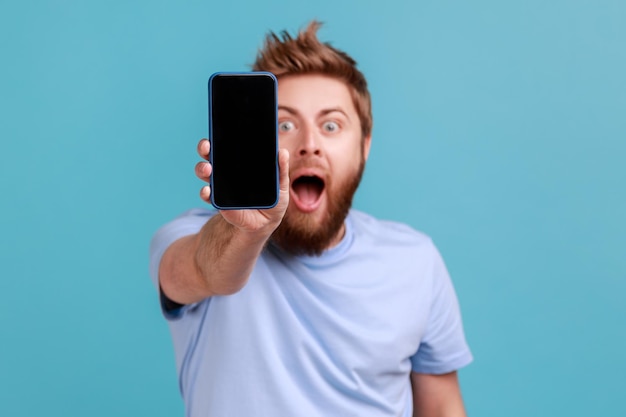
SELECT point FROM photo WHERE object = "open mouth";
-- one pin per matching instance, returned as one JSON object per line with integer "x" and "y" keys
{"x": 307, "y": 191}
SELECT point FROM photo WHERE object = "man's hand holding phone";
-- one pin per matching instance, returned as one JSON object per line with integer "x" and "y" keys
{"x": 262, "y": 221}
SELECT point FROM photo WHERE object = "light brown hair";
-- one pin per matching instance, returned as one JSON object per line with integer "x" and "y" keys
{"x": 285, "y": 55}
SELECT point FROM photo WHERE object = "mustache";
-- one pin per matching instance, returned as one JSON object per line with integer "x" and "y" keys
{"x": 307, "y": 165}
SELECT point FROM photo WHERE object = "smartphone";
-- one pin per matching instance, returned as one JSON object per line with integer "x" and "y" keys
{"x": 243, "y": 131}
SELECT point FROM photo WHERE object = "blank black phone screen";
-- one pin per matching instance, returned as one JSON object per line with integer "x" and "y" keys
{"x": 243, "y": 134}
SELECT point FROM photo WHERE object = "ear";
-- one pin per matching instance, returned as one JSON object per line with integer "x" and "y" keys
{"x": 367, "y": 143}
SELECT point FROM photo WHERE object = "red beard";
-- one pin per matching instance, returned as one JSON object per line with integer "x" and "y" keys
{"x": 301, "y": 234}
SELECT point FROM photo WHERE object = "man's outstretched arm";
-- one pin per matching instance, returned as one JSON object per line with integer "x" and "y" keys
{"x": 219, "y": 259}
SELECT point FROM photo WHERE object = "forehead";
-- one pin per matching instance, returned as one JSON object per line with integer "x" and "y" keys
{"x": 311, "y": 93}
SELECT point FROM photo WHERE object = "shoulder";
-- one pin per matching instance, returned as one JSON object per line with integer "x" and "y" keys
{"x": 403, "y": 250}
{"x": 187, "y": 223}
{"x": 196, "y": 213}
{"x": 387, "y": 232}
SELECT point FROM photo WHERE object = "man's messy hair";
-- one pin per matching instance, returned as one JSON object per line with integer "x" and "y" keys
{"x": 285, "y": 55}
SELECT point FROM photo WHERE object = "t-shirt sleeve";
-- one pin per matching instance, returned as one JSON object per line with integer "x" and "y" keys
{"x": 186, "y": 224}
{"x": 443, "y": 347}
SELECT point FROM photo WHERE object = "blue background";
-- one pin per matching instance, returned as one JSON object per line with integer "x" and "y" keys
{"x": 499, "y": 130}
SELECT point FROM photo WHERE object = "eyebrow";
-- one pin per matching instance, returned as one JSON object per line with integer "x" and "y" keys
{"x": 288, "y": 109}
{"x": 332, "y": 110}
{"x": 321, "y": 113}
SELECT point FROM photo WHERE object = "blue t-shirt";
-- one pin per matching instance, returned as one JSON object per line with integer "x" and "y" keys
{"x": 334, "y": 335}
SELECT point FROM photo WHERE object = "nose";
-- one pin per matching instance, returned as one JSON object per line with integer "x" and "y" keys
{"x": 309, "y": 143}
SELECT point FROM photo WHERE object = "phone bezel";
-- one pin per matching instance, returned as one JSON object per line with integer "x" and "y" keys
{"x": 277, "y": 188}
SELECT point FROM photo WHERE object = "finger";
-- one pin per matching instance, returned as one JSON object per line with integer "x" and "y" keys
{"x": 204, "y": 146}
{"x": 205, "y": 193}
{"x": 283, "y": 169}
{"x": 203, "y": 171}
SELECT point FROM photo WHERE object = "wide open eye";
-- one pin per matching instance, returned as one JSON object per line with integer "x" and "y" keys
{"x": 286, "y": 126}
{"x": 330, "y": 127}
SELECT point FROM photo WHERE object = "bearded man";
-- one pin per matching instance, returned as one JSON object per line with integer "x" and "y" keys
{"x": 309, "y": 308}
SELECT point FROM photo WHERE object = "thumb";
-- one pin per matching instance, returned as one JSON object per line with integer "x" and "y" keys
{"x": 283, "y": 168}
